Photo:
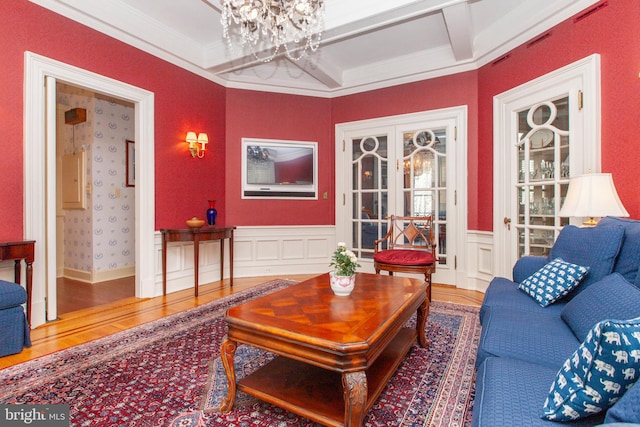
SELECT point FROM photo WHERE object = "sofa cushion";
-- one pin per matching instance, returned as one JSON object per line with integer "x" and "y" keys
{"x": 404, "y": 257}
{"x": 527, "y": 265}
{"x": 527, "y": 336}
{"x": 553, "y": 281}
{"x": 627, "y": 409}
{"x": 597, "y": 373}
{"x": 11, "y": 294}
{"x": 628, "y": 261}
{"x": 595, "y": 247}
{"x": 511, "y": 392}
{"x": 611, "y": 297}
{"x": 503, "y": 292}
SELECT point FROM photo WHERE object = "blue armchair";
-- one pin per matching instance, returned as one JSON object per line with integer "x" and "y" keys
{"x": 14, "y": 329}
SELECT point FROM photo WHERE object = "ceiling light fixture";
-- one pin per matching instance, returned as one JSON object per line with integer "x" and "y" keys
{"x": 295, "y": 25}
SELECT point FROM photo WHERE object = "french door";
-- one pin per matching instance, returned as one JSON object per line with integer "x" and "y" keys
{"x": 401, "y": 165}
{"x": 546, "y": 131}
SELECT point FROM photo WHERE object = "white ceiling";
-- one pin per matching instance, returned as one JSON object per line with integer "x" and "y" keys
{"x": 366, "y": 44}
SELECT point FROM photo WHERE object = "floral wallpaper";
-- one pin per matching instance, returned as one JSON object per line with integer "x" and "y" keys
{"x": 101, "y": 237}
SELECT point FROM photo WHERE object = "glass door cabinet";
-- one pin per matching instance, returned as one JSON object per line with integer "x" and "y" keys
{"x": 543, "y": 152}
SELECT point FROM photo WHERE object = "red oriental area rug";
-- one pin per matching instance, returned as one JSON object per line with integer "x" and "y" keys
{"x": 168, "y": 373}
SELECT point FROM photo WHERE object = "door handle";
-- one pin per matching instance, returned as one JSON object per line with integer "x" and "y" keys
{"x": 507, "y": 222}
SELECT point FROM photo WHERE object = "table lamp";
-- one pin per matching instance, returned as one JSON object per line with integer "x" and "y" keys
{"x": 592, "y": 195}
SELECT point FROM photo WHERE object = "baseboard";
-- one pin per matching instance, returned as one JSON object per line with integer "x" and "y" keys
{"x": 99, "y": 276}
{"x": 114, "y": 274}
{"x": 79, "y": 275}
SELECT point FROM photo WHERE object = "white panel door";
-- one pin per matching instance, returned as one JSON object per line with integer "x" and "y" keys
{"x": 403, "y": 165}
{"x": 546, "y": 131}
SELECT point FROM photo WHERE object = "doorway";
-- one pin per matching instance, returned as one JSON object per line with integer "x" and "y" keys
{"x": 546, "y": 131}
{"x": 413, "y": 164}
{"x": 40, "y": 180}
{"x": 95, "y": 202}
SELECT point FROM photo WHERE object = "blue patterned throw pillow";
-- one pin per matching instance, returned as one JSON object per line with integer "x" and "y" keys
{"x": 553, "y": 281}
{"x": 598, "y": 373}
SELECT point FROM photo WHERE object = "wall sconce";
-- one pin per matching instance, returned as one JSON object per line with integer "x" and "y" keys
{"x": 197, "y": 145}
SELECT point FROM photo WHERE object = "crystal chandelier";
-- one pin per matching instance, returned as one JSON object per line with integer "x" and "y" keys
{"x": 295, "y": 25}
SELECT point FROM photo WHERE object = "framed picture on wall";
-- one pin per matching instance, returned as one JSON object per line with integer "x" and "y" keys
{"x": 131, "y": 163}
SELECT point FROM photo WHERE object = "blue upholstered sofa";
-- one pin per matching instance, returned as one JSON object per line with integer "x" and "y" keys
{"x": 565, "y": 356}
{"x": 14, "y": 330}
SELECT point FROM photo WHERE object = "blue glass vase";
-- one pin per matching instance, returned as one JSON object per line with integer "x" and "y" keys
{"x": 212, "y": 213}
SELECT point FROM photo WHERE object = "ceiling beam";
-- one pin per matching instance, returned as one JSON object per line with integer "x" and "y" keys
{"x": 218, "y": 59}
{"x": 326, "y": 74}
{"x": 459, "y": 26}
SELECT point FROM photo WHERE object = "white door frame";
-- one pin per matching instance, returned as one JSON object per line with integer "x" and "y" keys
{"x": 585, "y": 128}
{"x": 40, "y": 178}
{"x": 459, "y": 116}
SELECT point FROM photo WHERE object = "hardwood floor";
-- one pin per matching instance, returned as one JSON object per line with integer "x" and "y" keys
{"x": 87, "y": 324}
{"x": 74, "y": 295}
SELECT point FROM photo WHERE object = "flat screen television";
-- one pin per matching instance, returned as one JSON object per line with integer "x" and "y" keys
{"x": 273, "y": 169}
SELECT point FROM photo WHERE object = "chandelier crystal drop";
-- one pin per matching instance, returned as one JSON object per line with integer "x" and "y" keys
{"x": 295, "y": 25}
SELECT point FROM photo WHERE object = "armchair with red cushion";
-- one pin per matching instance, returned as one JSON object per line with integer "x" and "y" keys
{"x": 408, "y": 247}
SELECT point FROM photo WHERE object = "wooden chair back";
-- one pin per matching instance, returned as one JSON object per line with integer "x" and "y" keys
{"x": 409, "y": 232}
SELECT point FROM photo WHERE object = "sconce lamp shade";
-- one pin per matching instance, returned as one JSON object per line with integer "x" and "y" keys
{"x": 191, "y": 137}
{"x": 203, "y": 139}
{"x": 197, "y": 145}
{"x": 592, "y": 195}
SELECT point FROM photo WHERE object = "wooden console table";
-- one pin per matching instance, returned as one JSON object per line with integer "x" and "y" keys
{"x": 196, "y": 236}
{"x": 18, "y": 251}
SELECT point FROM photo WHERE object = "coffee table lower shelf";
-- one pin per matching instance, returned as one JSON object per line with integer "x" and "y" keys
{"x": 316, "y": 393}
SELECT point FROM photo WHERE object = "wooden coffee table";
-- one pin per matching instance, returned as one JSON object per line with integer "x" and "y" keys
{"x": 338, "y": 352}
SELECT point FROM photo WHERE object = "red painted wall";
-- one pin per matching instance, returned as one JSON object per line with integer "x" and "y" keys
{"x": 614, "y": 33}
{"x": 442, "y": 92}
{"x": 265, "y": 115}
{"x": 183, "y": 101}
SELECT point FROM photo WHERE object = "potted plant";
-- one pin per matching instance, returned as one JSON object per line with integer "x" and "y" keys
{"x": 344, "y": 263}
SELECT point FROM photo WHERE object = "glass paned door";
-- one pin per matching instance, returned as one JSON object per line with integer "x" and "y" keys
{"x": 403, "y": 165}
{"x": 424, "y": 181}
{"x": 369, "y": 192}
{"x": 546, "y": 130}
{"x": 543, "y": 174}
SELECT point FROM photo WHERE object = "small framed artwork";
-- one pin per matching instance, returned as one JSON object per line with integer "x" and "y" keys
{"x": 131, "y": 163}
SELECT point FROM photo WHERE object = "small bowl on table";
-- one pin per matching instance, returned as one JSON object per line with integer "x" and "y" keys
{"x": 195, "y": 223}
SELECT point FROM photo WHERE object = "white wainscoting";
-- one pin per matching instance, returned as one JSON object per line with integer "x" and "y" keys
{"x": 285, "y": 250}
{"x": 7, "y": 271}
{"x": 258, "y": 251}
{"x": 480, "y": 259}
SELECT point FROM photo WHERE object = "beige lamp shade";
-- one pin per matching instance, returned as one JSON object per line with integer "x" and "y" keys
{"x": 592, "y": 195}
{"x": 203, "y": 139}
{"x": 191, "y": 137}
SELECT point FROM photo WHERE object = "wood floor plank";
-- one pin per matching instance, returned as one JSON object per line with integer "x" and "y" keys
{"x": 87, "y": 324}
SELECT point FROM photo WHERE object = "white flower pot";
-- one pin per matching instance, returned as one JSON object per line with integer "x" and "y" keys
{"x": 342, "y": 285}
